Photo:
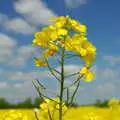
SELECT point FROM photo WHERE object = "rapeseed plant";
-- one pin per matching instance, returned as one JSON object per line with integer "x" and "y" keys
{"x": 56, "y": 39}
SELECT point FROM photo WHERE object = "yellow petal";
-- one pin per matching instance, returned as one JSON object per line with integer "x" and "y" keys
{"x": 89, "y": 76}
{"x": 62, "y": 32}
{"x": 82, "y": 51}
{"x": 80, "y": 28}
{"x": 83, "y": 70}
{"x": 38, "y": 62}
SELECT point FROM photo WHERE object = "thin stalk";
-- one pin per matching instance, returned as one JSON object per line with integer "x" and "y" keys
{"x": 56, "y": 71}
{"x": 42, "y": 95}
{"x": 49, "y": 114}
{"x": 62, "y": 83}
{"x": 67, "y": 96}
{"x": 75, "y": 91}
{"x": 72, "y": 74}
{"x": 46, "y": 88}
{"x": 74, "y": 82}
{"x": 36, "y": 116}
{"x": 52, "y": 71}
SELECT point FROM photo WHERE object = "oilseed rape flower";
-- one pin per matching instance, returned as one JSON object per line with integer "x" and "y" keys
{"x": 52, "y": 108}
{"x": 92, "y": 116}
{"x": 113, "y": 102}
{"x": 39, "y": 62}
{"x": 56, "y": 35}
{"x": 14, "y": 115}
{"x": 59, "y": 39}
{"x": 41, "y": 40}
{"x": 59, "y": 21}
{"x": 52, "y": 105}
{"x": 88, "y": 75}
{"x": 50, "y": 51}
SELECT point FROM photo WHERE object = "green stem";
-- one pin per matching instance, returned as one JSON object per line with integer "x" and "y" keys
{"x": 36, "y": 116}
{"x": 67, "y": 96}
{"x": 74, "y": 93}
{"x": 41, "y": 95}
{"x": 49, "y": 114}
{"x": 62, "y": 83}
{"x": 52, "y": 70}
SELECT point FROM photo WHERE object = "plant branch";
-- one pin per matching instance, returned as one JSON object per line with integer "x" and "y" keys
{"x": 52, "y": 71}
{"x": 74, "y": 93}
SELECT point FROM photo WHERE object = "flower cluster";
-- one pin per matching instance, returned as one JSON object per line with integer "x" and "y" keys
{"x": 57, "y": 36}
{"x": 113, "y": 102}
{"x": 51, "y": 107}
{"x": 14, "y": 115}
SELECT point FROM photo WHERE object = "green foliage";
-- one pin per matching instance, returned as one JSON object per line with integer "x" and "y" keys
{"x": 37, "y": 102}
{"x": 100, "y": 103}
{"x": 27, "y": 103}
{"x": 4, "y": 103}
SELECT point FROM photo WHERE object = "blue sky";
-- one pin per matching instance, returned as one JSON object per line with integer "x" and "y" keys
{"x": 20, "y": 19}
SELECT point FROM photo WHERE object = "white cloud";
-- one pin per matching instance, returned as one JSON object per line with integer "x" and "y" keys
{"x": 71, "y": 68}
{"x": 17, "y": 86}
{"x": 112, "y": 60}
{"x": 19, "y": 92}
{"x": 34, "y": 11}
{"x": 6, "y": 41}
{"x": 18, "y": 57}
{"x": 20, "y": 26}
{"x": 25, "y": 76}
{"x": 74, "y": 3}
{"x": 106, "y": 89}
{"x": 7, "y": 44}
{"x": 109, "y": 74}
{"x": 23, "y": 54}
{"x": 106, "y": 74}
{"x": 17, "y": 25}
{"x": 3, "y": 19}
{"x": 4, "y": 85}
{"x": 1, "y": 71}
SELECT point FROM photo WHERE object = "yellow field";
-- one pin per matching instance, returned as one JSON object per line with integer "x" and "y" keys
{"x": 80, "y": 113}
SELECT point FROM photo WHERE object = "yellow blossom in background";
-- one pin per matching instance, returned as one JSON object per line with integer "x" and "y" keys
{"x": 92, "y": 116}
{"x": 113, "y": 102}
{"x": 53, "y": 107}
{"x": 13, "y": 115}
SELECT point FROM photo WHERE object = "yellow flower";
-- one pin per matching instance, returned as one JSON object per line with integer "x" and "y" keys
{"x": 73, "y": 23}
{"x": 82, "y": 51}
{"x": 50, "y": 51}
{"x": 41, "y": 39}
{"x": 39, "y": 62}
{"x": 80, "y": 28}
{"x": 59, "y": 21}
{"x": 62, "y": 32}
{"x": 88, "y": 74}
{"x": 78, "y": 38}
{"x": 89, "y": 46}
{"x": 113, "y": 102}
{"x": 83, "y": 70}
{"x": 89, "y": 58}
{"x": 14, "y": 115}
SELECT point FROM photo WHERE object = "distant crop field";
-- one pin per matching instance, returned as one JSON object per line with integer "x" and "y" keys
{"x": 80, "y": 113}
